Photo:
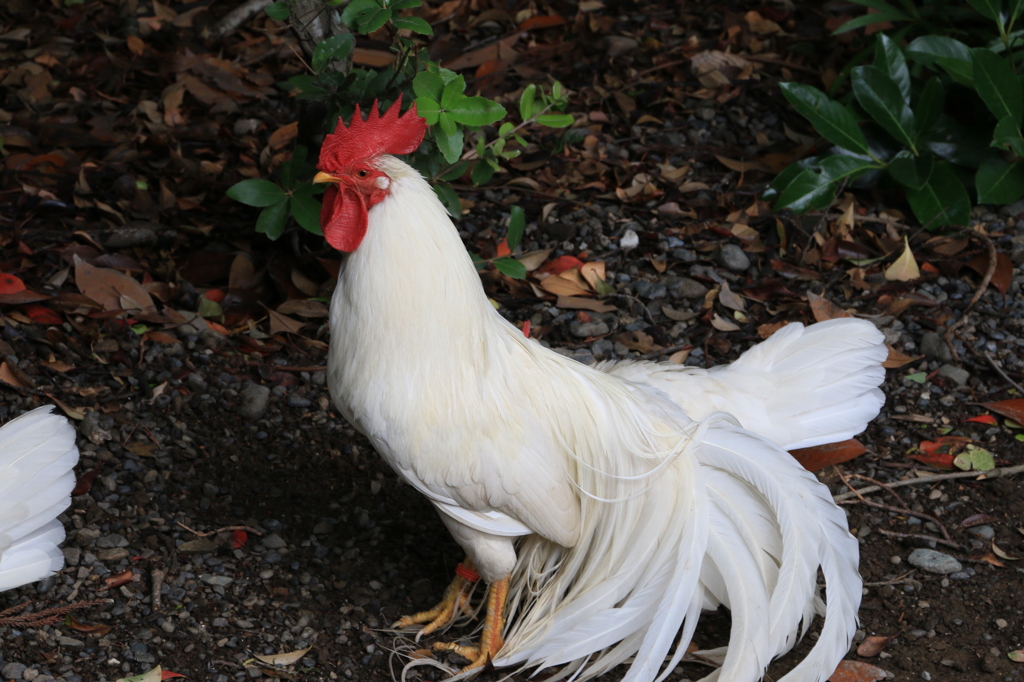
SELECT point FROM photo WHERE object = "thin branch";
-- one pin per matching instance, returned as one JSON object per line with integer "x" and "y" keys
{"x": 982, "y": 287}
{"x": 46, "y": 616}
{"x": 979, "y": 475}
{"x": 1003, "y": 374}
{"x": 917, "y": 536}
{"x": 896, "y": 510}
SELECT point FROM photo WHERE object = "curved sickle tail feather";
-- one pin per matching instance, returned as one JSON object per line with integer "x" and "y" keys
{"x": 734, "y": 521}
{"x": 37, "y": 454}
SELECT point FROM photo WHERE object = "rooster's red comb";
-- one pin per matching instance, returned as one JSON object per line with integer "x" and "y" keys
{"x": 387, "y": 134}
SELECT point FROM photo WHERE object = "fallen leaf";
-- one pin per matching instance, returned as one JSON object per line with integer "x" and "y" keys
{"x": 1013, "y": 409}
{"x": 898, "y": 359}
{"x": 303, "y": 308}
{"x": 638, "y": 341}
{"x": 730, "y": 299}
{"x": 724, "y": 325}
{"x": 10, "y": 284}
{"x": 904, "y": 268}
{"x": 238, "y": 539}
{"x": 857, "y": 671}
{"x": 999, "y": 552}
{"x": 562, "y": 285}
{"x": 820, "y": 456}
{"x": 1016, "y": 656}
{"x": 154, "y": 675}
{"x": 110, "y": 288}
{"x": 975, "y": 459}
{"x": 282, "y": 323}
{"x": 741, "y": 166}
{"x": 534, "y": 259}
{"x": 559, "y": 265}
{"x": 824, "y": 309}
{"x": 579, "y": 303}
{"x": 977, "y": 520}
{"x": 11, "y": 376}
{"x": 768, "y": 328}
{"x": 873, "y": 645}
{"x": 42, "y": 315}
{"x": 285, "y": 659}
{"x": 122, "y": 578}
{"x": 679, "y": 357}
{"x": 593, "y": 273}
{"x": 1002, "y": 277}
{"x": 541, "y": 21}
{"x": 984, "y": 419}
{"x": 91, "y": 628}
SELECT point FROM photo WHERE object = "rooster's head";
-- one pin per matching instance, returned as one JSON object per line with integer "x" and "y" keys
{"x": 348, "y": 160}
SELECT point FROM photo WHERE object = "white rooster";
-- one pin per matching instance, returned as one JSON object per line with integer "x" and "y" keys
{"x": 604, "y": 507}
{"x": 37, "y": 454}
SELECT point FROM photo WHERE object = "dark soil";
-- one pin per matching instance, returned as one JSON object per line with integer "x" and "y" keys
{"x": 264, "y": 524}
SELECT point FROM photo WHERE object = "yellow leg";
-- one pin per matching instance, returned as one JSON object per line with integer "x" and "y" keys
{"x": 454, "y": 601}
{"x": 490, "y": 639}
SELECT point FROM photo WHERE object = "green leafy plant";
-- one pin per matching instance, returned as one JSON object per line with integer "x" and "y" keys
{"x": 455, "y": 119}
{"x": 938, "y": 118}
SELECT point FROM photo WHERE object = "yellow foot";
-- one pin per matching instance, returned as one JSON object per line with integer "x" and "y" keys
{"x": 490, "y": 639}
{"x": 454, "y": 602}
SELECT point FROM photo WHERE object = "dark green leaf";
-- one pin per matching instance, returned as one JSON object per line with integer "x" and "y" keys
{"x": 1008, "y": 134}
{"x": 453, "y": 90}
{"x": 831, "y": 119}
{"x": 998, "y": 85}
{"x": 516, "y": 227}
{"x": 843, "y": 167}
{"x": 482, "y": 172}
{"x": 455, "y": 172}
{"x": 476, "y": 111}
{"x": 526, "y": 101}
{"x": 334, "y": 48}
{"x": 278, "y": 11}
{"x": 942, "y": 201}
{"x": 307, "y": 85}
{"x": 428, "y": 84}
{"x": 911, "y": 171}
{"x": 930, "y": 104}
{"x": 511, "y": 267}
{"x": 373, "y": 20}
{"x": 450, "y": 144}
{"x": 350, "y": 14}
{"x": 449, "y": 198}
{"x": 810, "y": 189}
{"x": 256, "y": 192}
{"x": 889, "y": 57}
{"x": 273, "y": 219}
{"x": 414, "y": 24}
{"x": 882, "y": 99}
{"x": 428, "y": 108}
{"x": 405, "y": 4}
{"x": 555, "y": 120}
{"x": 999, "y": 182}
{"x": 1013, "y": 8}
{"x": 950, "y": 54}
{"x": 306, "y": 211}
{"x": 988, "y": 8}
{"x": 882, "y": 16}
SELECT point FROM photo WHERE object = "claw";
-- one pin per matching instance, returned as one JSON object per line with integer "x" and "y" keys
{"x": 490, "y": 639}
{"x": 454, "y": 602}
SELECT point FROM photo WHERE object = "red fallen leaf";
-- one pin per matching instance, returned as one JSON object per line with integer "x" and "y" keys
{"x": 238, "y": 538}
{"x": 873, "y": 645}
{"x": 857, "y": 671}
{"x": 559, "y": 265}
{"x": 542, "y": 21}
{"x": 946, "y": 445}
{"x": 10, "y": 284}
{"x": 84, "y": 483}
{"x": 984, "y": 419}
{"x": 122, "y": 578}
{"x": 42, "y": 315}
{"x": 526, "y": 329}
{"x": 90, "y": 628}
{"x": 1012, "y": 409}
{"x": 1003, "y": 275}
{"x": 215, "y": 295}
{"x": 821, "y": 456}
{"x": 935, "y": 459}
{"x": 167, "y": 674}
{"x": 502, "y": 249}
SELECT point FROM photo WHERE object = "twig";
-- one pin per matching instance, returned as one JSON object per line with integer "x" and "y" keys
{"x": 897, "y": 510}
{"x": 208, "y": 533}
{"x": 985, "y": 475}
{"x": 917, "y": 536}
{"x": 1003, "y": 374}
{"x": 897, "y": 579}
{"x": 46, "y": 616}
{"x": 236, "y": 17}
{"x": 156, "y": 577}
{"x": 884, "y": 486}
{"x": 985, "y": 281}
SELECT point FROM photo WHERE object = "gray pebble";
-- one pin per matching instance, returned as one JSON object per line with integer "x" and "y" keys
{"x": 934, "y": 562}
{"x": 933, "y": 346}
{"x": 274, "y": 541}
{"x": 957, "y": 374}
{"x": 112, "y": 541}
{"x": 584, "y": 330}
{"x": 982, "y": 532}
{"x": 732, "y": 257}
{"x": 13, "y": 671}
{"x": 685, "y": 287}
{"x": 649, "y": 290}
{"x": 255, "y": 399}
{"x": 216, "y": 580}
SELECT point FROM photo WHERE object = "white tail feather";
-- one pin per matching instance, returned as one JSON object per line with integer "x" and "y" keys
{"x": 37, "y": 454}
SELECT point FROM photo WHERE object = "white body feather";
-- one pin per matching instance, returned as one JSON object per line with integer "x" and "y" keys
{"x": 37, "y": 454}
{"x": 621, "y": 500}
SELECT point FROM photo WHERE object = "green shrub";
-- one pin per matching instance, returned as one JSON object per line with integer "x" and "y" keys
{"x": 938, "y": 118}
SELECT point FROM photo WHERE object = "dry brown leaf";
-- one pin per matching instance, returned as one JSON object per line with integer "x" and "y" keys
{"x": 533, "y": 259}
{"x": 904, "y": 268}
{"x": 724, "y": 325}
{"x": 898, "y": 359}
{"x": 284, "y": 135}
{"x": 286, "y": 658}
{"x": 282, "y": 323}
{"x": 659, "y": 262}
{"x": 501, "y": 51}
{"x": 678, "y": 315}
{"x": 768, "y": 328}
{"x": 857, "y": 671}
{"x": 110, "y": 288}
{"x": 57, "y": 365}
{"x": 638, "y": 341}
{"x": 679, "y": 357}
{"x": 1002, "y": 276}
{"x": 824, "y": 309}
{"x": 563, "y": 286}
{"x": 593, "y": 273}
{"x": 375, "y": 58}
{"x": 730, "y": 299}
{"x": 578, "y": 303}
{"x": 303, "y": 308}
{"x": 12, "y": 377}
{"x": 741, "y": 166}
{"x": 873, "y": 645}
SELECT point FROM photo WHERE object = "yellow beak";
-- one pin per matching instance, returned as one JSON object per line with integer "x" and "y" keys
{"x": 324, "y": 177}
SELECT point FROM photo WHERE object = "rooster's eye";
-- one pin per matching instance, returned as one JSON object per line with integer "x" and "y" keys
{"x": 363, "y": 173}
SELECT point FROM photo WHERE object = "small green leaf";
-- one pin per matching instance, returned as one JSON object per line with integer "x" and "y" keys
{"x": 449, "y": 198}
{"x": 917, "y": 377}
{"x": 942, "y": 201}
{"x": 882, "y": 16}
{"x": 482, "y": 172}
{"x": 526, "y": 101}
{"x": 999, "y": 182}
{"x": 555, "y": 120}
{"x": 278, "y": 11}
{"x": 453, "y": 90}
{"x": 306, "y": 211}
{"x": 334, "y": 48}
{"x": 405, "y": 4}
{"x": 911, "y": 171}
{"x": 997, "y": 84}
{"x": 889, "y": 57}
{"x": 207, "y": 308}
{"x": 273, "y": 220}
{"x": 516, "y": 227}
{"x": 831, "y": 119}
{"x": 373, "y": 20}
{"x": 427, "y": 85}
{"x": 476, "y": 111}
{"x": 428, "y": 108}
{"x": 511, "y": 267}
{"x": 350, "y": 15}
{"x": 140, "y": 328}
{"x": 450, "y": 144}
{"x": 1008, "y": 134}
{"x": 990, "y": 9}
{"x": 447, "y": 123}
{"x": 975, "y": 459}
{"x": 414, "y": 24}
{"x": 810, "y": 189}
{"x": 455, "y": 172}
{"x": 256, "y": 192}
{"x": 881, "y": 98}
